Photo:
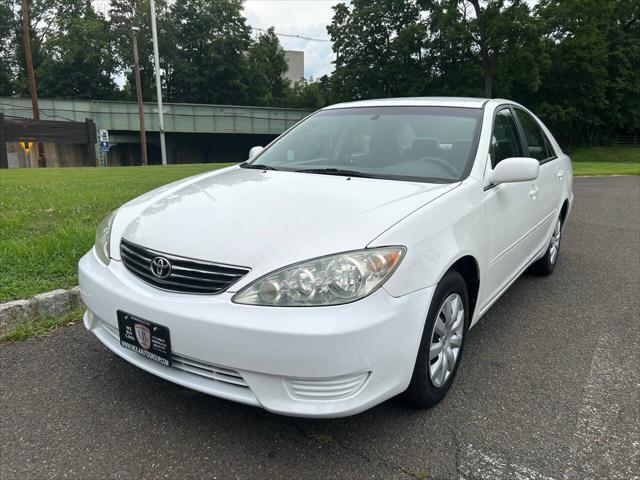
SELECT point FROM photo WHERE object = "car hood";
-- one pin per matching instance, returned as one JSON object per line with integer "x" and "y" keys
{"x": 266, "y": 220}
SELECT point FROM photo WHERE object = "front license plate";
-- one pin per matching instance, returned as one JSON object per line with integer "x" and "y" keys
{"x": 145, "y": 337}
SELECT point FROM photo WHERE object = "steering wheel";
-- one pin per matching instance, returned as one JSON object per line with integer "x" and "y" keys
{"x": 442, "y": 163}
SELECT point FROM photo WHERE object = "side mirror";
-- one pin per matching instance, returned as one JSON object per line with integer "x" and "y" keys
{"x": 515, "y": 169}
{"x": 254, "y": 152}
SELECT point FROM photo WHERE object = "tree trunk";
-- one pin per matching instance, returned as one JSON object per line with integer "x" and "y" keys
{"x": 488, "y": 63}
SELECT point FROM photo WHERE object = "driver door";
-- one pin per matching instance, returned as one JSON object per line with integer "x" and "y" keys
{"x": 509, "y": 209}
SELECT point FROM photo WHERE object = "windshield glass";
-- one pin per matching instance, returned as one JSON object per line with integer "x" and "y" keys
{"x": 432, "y": 144}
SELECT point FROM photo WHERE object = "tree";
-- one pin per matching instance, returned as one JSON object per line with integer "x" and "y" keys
{"x": 267, "y": 67}
{"x": 67, "y": 37}
{"x": 452, "y": 65}
{"x": 7, "y": 48}
{"x": 42, "y": 22}
{"x": 378, "y": 46}
{"x": 79, "y": 59}
{"x": 310, "y": 95}
{"x": 211, "y": 40}
{"x": 498, "y": 26}
{"x": 395, "y": 47}
{"x": 591, "y": 87}
{"x": 623, "y": 66}
{"x": 125, "y": 14}
{"x": 486, "y": 31}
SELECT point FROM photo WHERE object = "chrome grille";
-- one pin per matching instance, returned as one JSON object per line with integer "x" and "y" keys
{"x": 186, "y": 275}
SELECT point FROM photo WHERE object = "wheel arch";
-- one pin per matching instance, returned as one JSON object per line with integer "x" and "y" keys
{"x": 467, "y": 266}
{"x": 564, "y": 210}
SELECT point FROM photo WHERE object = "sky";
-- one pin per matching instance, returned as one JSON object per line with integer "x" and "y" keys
{"x": 297, "y": 17}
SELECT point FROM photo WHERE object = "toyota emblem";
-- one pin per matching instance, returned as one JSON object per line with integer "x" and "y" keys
{"x": 160, "y": 267}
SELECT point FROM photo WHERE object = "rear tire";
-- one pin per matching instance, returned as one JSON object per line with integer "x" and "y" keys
{"x": 547, "y": 264}
{"x": 441, "y": 344}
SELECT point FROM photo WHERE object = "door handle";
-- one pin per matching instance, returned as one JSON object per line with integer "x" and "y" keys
{"x": 560, "y": 175}
{"x": 533, "y": 193}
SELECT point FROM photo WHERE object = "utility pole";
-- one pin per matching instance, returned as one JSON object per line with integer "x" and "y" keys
{"x": 156, "y": 59}
{"x": 28, "y": 60}
{"x": 143, "y": 133}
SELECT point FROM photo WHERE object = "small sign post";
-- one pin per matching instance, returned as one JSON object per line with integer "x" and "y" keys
{"x": 103, "y": 137}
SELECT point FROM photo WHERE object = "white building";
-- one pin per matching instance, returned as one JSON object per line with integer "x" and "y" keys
{"x": 295, "y": 60}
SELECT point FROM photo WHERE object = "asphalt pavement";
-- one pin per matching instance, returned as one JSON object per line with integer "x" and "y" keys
{"x": 549, "y": 388}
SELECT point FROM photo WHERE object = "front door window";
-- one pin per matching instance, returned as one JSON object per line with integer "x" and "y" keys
{"x": 504, "y": 139}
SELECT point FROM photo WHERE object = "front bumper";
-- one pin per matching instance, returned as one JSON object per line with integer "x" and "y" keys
{"x": 311, "y": 361}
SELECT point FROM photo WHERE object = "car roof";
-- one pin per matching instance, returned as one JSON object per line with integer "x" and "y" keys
{"x": 468, "y": 102}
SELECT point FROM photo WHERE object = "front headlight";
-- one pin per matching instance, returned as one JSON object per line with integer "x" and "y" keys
{"x": 331, "y": 280}
{"x": 103, "y": 233}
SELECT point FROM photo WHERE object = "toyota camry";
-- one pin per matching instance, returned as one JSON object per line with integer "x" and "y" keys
{"x": 341, "y": 265}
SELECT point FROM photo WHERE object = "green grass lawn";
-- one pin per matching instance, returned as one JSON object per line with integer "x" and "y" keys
{"x": 48, "y": 218}
{"x": 606, "y": 161}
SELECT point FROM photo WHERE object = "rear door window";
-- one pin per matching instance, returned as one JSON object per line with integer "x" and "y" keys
{"x": 537, "y": 144}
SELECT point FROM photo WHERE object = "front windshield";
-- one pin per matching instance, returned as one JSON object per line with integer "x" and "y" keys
{"x": 432, "y": 144}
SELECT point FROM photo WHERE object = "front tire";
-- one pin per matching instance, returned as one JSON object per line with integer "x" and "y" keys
{"x": 547, "y": 264}
{"x": 441, "y": 344}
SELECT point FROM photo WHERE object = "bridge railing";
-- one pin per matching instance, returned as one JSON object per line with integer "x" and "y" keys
{"x": 178, "y": 117}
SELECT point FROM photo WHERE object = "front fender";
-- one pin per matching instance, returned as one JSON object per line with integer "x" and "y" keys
{"x": 436, "y": 236}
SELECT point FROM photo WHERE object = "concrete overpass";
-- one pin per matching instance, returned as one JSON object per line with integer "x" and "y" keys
{"x": 195, "y": 132}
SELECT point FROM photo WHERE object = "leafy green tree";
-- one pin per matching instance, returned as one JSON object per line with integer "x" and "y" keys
{"x": 498, "y": 28}
{"x": 398, "y": 47}
{"x": 42, "y": 21}
{"x": 67, "y": 40}
{"x": 591, "y": 88}
{"x": 623, "y": 66}
{"x": 451, "y": 64}
{"x": 378, "y": 47}
{"x": 310, "y": 95}
{"x": 267, "y": 67}
{"x": 79, "y": 59}
{"x": 211, "y": 40}
{"x": 125, "y": 14}
{"x": 491, "y": 33}
{"x": 7, "y": 48}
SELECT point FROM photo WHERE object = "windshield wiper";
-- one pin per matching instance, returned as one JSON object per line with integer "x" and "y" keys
{"x": 258, "y": 166}
{"x": 337, "y": 171}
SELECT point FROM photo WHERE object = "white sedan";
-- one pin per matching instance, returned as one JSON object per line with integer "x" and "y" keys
{"x": 341, "y": 265}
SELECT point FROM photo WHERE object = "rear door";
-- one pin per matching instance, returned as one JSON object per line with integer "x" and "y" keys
{"x": 550, "y": 179}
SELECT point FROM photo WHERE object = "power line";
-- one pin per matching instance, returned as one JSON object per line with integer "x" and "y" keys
{"x": 293, "y": 35}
